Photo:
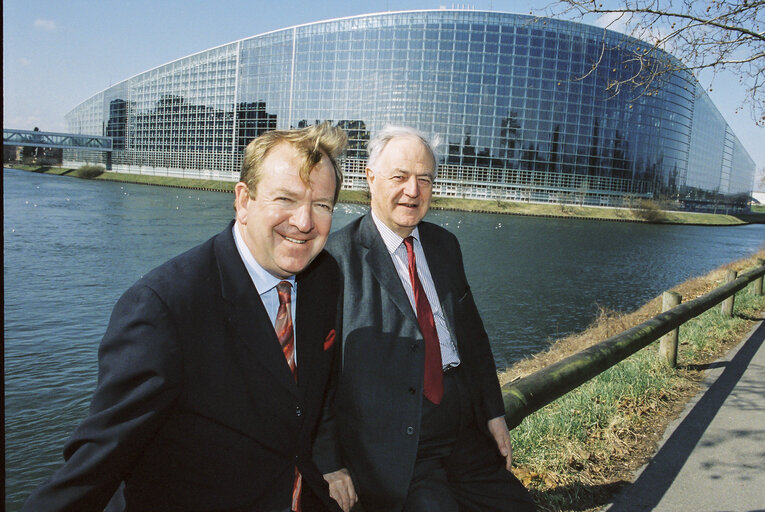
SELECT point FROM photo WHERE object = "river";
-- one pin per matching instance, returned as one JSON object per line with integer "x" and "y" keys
{"x": 71, "y": 247}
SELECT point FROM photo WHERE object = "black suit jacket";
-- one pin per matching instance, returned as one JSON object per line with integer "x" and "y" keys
{"x": 379, "y": 395}
{"x": 196, "y": 408}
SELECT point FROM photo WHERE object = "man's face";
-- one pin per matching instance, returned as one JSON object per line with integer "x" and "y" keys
{"x": 286, "y": 225}
{"x": 401, "y": 184}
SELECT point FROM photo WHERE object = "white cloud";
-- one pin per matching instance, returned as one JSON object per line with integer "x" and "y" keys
{"x": 24, "y": 61}
{"x": 614, "y": 21}
{"x": 22, "y": 122}
{"x": 42, "y": 24}
{"x": 45, "y": 122}
{"x": 623, "y": 22}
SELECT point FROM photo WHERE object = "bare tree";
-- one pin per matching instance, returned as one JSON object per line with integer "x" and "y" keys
{"x": 706, "y": 36}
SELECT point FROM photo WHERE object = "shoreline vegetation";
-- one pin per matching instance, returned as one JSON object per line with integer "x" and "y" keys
{"x": 645, "y": 212}
{"x": 576, "y": 453}
{"x": 579, "y": 451}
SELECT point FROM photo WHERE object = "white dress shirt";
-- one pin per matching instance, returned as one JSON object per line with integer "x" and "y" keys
{"x": 266, "y": 283}
{"x": 397, "y": 251}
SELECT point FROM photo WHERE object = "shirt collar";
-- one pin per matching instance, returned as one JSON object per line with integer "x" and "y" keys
{"x": 390, "y": 238}
{"x": 261, "y": 278}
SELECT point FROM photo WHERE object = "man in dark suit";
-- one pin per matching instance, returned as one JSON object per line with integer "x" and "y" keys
{"x": 209, "y": 392}
{"x": 419, "y": 418}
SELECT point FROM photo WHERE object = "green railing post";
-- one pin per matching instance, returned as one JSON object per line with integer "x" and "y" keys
{"x": 668, "y": 346}
{"x": 527, "y": 395}
{"x": 758, "y": 281}
{"x": 727, "y": 305}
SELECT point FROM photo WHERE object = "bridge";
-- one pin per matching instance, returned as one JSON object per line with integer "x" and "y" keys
{"x": 56, "y": 140}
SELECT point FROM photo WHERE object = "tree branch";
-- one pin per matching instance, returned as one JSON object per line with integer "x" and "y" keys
{"x": 700, "y": 21}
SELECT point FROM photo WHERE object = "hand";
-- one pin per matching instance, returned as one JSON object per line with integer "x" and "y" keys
{"x": 341, "y": 488}
{"x": 498, "y": 429}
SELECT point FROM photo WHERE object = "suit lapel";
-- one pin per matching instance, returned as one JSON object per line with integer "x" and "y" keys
{"x": 378, "y": 259}
{"x": 442, "y": 271}
{"x": 256, "y": 341}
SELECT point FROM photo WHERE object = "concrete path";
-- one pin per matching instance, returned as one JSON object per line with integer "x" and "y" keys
{"x": 712, "y": 458}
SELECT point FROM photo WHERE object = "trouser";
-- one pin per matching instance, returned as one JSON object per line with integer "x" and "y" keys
{"x": 458, "y": 466}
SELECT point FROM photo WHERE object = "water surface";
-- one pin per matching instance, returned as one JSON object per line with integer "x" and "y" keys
{"x": 73, "y": 246}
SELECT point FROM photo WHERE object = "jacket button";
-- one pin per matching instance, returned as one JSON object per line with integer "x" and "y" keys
{"x": 414, "y": 347}
{"x": 298, "y": 411}
{"x": 412, "y": 391}
{"x": 410, "y": 430}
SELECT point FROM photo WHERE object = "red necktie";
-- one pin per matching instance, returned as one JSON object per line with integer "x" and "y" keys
{"x": 285, "y": 333}
{"x": 434, "y": 374}
{"x": 283, "y": 325}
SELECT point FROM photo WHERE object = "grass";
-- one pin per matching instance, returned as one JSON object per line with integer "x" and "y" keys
{"x": 562, "y": 449}
{"x": 167, "y": 181}
{"x": 582, "y": 212}
{"x": 41, "y": 169}
{"x": 354, "y": 196}
{"x": 576, "y": 452}
{"x": 460, "y": 204}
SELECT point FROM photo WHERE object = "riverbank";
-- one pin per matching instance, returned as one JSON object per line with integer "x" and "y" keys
{"x": 576, "y": 453}
{"x": 457, "y": 204}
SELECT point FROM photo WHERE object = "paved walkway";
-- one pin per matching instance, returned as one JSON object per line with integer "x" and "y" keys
{"x": 712, "y": 458}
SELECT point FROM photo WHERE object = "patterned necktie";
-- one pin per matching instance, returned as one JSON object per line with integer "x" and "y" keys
{"x": 434, "y": 374}
{"x": 283, "y": 325}
{"x": 285, "y": 333}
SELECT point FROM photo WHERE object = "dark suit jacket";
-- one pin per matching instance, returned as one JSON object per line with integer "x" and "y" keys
{"x": 379, "y": 395}
{"x": 196, "y": 408}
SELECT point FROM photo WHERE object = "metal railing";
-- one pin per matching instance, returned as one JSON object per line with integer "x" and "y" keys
{"x": 56, "y": 140}
{"x": 531, "y": 393}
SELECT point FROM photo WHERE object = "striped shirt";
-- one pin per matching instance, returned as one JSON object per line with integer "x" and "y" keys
{"x": 397, "y": 251}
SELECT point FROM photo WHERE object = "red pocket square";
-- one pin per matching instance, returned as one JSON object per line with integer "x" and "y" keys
{"x": 329, "y": 340}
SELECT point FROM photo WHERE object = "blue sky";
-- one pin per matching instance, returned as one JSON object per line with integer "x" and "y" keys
{"x": 57, "y": 53}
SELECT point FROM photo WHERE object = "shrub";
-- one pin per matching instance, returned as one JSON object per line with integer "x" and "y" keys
{"x": 90, "y": 171}
{"x": 649, "y": 210}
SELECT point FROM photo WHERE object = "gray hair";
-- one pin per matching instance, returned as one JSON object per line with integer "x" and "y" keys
{"x": 381, "y": 139}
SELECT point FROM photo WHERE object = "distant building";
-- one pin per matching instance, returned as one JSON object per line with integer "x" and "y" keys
{"x": 504, "y": 91}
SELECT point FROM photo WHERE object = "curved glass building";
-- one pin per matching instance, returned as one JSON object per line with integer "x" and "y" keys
{"x": 522, "y": 111}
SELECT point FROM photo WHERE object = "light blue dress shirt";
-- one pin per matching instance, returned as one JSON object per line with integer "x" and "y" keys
{"x": 266, "y": 283}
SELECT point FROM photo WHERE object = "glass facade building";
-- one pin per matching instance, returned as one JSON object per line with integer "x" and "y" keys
{"x": 522, "y": 112}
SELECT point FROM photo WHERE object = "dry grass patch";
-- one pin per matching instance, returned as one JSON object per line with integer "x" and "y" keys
{"x": 609, "y": 323}
{"x": 575, "y": 453}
